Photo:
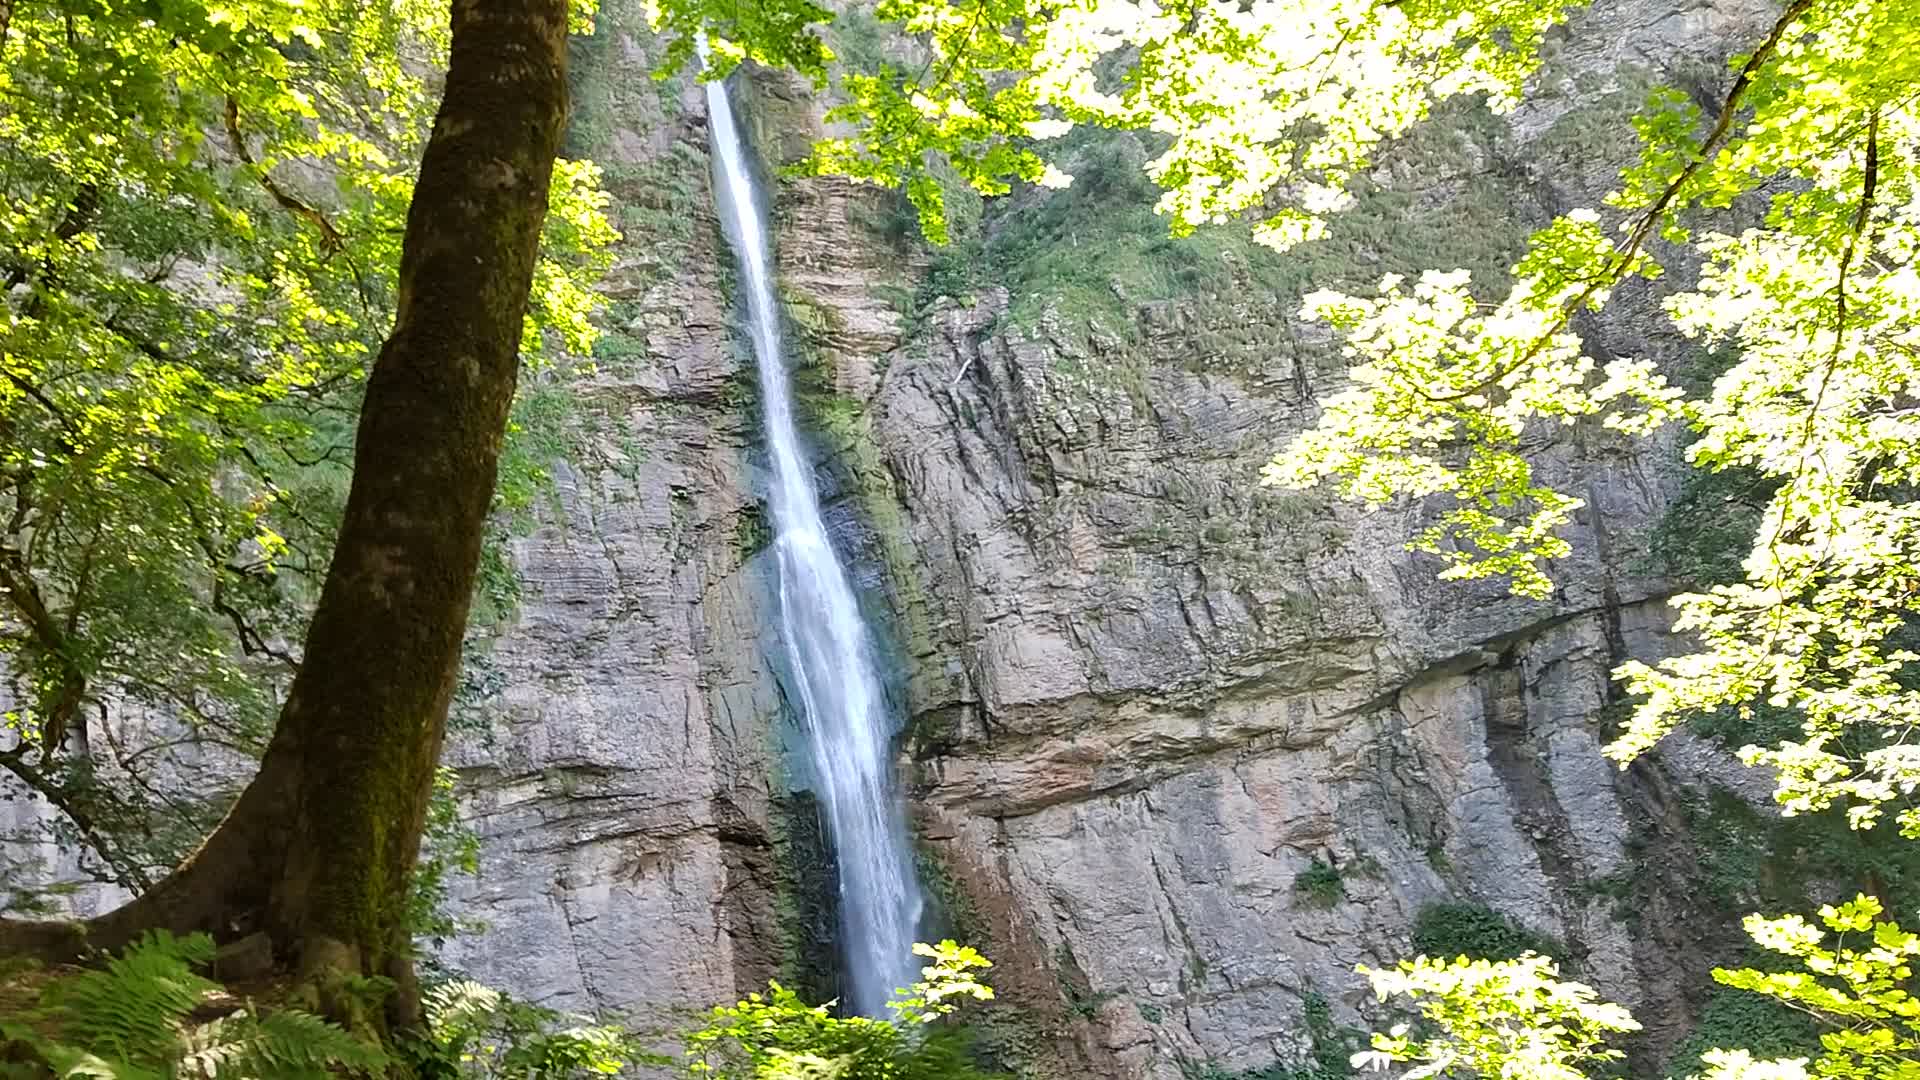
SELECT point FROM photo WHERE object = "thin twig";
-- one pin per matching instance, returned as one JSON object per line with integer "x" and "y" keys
{"x": 72, "y": 804}
{"x": 1870, "y": 179}
{"x": 330, "y": 237}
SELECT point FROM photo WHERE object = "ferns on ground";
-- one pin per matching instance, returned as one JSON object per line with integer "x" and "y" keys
{"x": 135, "y": 1019}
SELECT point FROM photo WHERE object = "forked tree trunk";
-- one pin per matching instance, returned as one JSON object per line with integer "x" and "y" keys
{"x": 319, "y": 849}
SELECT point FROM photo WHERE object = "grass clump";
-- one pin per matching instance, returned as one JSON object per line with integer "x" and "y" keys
{"x": 1475, "y": 930}
{"x": 1320, "y": 885}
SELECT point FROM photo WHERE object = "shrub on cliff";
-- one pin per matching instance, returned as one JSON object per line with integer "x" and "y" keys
{"x": 1449, "y": 930}
{"x": 777, "y": 1036}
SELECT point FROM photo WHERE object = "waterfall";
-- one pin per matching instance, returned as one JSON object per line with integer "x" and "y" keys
{"x": 830, "y": 652}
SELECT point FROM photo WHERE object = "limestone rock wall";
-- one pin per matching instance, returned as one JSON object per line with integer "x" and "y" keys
{"x": 1156, "y": 708}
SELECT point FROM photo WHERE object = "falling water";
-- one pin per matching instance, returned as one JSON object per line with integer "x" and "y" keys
{"x": 828, "y": 646}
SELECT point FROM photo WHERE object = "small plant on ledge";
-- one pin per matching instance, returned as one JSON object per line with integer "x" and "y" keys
{"x": 1320, "y": 886}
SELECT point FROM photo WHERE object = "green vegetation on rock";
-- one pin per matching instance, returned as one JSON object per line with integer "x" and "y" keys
{"x": 1328, "y": 1058}
{"x": 1091, "y": 266}
{"x": 1320, "y": 885}
{"x": 1447, "y": 930}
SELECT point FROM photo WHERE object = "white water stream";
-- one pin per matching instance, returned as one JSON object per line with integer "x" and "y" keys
{"x": 834, "y": 670}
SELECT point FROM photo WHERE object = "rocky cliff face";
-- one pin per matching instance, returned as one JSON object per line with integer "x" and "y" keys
{"x": 1191, "y": 749}
{"x": 1183, "y": 751}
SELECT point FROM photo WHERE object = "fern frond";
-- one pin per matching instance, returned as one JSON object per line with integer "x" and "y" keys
{"x": 457, "y": 1009}
{"x": 73, "y": 1063}
{"x": 131, "y": 1011}
{"x": 291, "y": 1037}
{"x": 127, "y": 1021}
{"x": 284, "y": 1045}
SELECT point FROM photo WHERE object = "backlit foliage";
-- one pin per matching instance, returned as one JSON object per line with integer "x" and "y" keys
{"x": 1509, "y": 1018}
{"x": 778, "y": 1036}
{"x": 1267, "y": 108}
{"x": 1820, "y": 302}
{"x": 478, "y": 1033}
{"x": 201, "y": 207}
{"x": 1517, "y": 1019}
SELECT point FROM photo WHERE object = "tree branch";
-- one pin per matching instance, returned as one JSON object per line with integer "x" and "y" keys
{"x": 1643, "y": 228}
{"x": 331, "y": 240}
{"x": 330, "y": 237}
{"x": 74, "y": 805}
{"x": 16, "y": 582}
{"x": 1870, "y": 182}
{"x": 252, "y": 642}
{"x": 77, "y": 219}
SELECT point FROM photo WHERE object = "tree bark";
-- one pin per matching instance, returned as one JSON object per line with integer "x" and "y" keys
{"x": 319, "y": 850}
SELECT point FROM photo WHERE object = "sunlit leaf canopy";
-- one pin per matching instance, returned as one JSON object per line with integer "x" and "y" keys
{"x": 1267, "y": 108}
{"x": 201, "y": 208}
{"x": 1519, "y": 1019}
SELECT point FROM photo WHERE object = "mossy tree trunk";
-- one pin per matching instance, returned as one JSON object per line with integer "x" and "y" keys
{"x": 319, "y": 850}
